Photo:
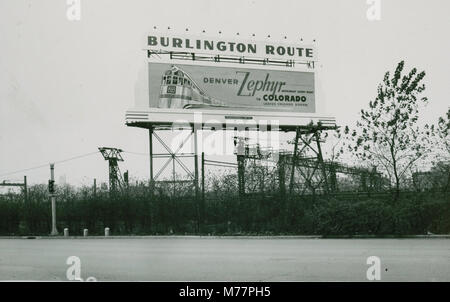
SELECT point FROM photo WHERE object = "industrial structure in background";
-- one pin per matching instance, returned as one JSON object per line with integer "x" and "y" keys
{"x": 113, "y": 156}
{"x": 23, "y": 185}
{"x": 300, "y": 172}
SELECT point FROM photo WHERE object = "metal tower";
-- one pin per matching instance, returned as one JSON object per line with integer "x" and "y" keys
{"x": 113, "y": 156}
{"x": 23, "y": 185}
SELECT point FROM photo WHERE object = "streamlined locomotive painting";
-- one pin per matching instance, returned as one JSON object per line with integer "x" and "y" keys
{"x": 183, "y": 86}
{"x": 180, "y": 91}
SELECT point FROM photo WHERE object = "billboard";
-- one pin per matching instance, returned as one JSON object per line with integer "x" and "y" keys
{"x": 221, "y": 45}
{"x": 174, "y": 85}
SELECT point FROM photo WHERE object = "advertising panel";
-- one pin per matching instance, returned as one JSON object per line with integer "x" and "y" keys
{"x": 175, "y": 85}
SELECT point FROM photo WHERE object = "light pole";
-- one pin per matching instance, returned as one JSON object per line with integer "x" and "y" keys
{"x": 53, "y": 199}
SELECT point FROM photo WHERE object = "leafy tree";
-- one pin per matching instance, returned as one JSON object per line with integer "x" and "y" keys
{"x": 441, "y": 162}
{"x": 387, "y": 134}
{"x": 443, "y": 131}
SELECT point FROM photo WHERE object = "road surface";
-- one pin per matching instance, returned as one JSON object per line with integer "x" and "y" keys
{"x": 222, "y": 259}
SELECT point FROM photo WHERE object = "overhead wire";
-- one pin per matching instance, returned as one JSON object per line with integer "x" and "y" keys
{"x": 46, "y": 165}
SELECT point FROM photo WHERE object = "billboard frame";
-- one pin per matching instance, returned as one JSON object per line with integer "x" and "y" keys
{"x": 307, "y": 126}
{"x": 165, "y": 118}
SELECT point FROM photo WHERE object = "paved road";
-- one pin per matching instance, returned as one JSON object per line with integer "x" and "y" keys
{"x": 213, "y": 259}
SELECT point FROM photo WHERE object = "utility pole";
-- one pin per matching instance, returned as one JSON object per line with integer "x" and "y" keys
{"x": 53, "y": 199}
{"x": 25, "y": 188}
{"x": 125, "y": 179}
{"x": 240, "y": 144}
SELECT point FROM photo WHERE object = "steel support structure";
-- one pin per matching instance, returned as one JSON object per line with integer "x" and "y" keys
{"x": 241, "y": 174}
{"x": 172, "y": 158}
{"x": 150, "y": 140}
{"x": 281, "y": 167}
{"x": 23, "y": 185}
{"x": 304, "y": 169}
{"x": 113, "y": 156}
{"x": 309, "y": 172}
{"x": 308, "y": 177}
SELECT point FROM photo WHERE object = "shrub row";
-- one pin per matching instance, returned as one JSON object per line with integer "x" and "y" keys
{"x": 138, "y": 213}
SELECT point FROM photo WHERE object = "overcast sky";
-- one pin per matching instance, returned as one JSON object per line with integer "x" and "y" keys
{"x": 65, "y": 85}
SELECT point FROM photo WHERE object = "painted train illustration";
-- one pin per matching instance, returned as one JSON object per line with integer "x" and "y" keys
{"x": 179, "y": 91}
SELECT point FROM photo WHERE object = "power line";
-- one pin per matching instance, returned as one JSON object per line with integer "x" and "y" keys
{"x": 75, "y": 157}
{"x": 24, "y": 170}
{"x": 137, "y": 153}
{"x": 46, "y": 165}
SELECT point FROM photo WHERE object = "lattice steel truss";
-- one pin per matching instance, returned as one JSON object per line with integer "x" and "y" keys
{"x": 304, "y": 169}
{"x": 113, "y": 156}
{"x": 173, "y": 157}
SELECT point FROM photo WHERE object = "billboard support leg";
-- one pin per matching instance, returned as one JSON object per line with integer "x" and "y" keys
{"x": 281, "y": 174}
{"x": 196, "y": 163}
{"x": 321, "y": 162}
{"x": 294, "y": 160}
{"x": 203, "y": 177}
{"x": 196, "y": 180}
{"x": 150, "y": 140}
{"x": 174, "y": 175}
{"x": 241, "y": 174}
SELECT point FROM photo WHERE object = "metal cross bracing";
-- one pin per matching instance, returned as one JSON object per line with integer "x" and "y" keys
{"x": 291, "y": 168}
{"x": 302, "y": 171}
{"x": 173, "y": 157}
{"x": 228, "y": 59}
{"x": 307, "y": 172}
{"x": 254, "y": 173}
{"x": 113, "y": 156}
